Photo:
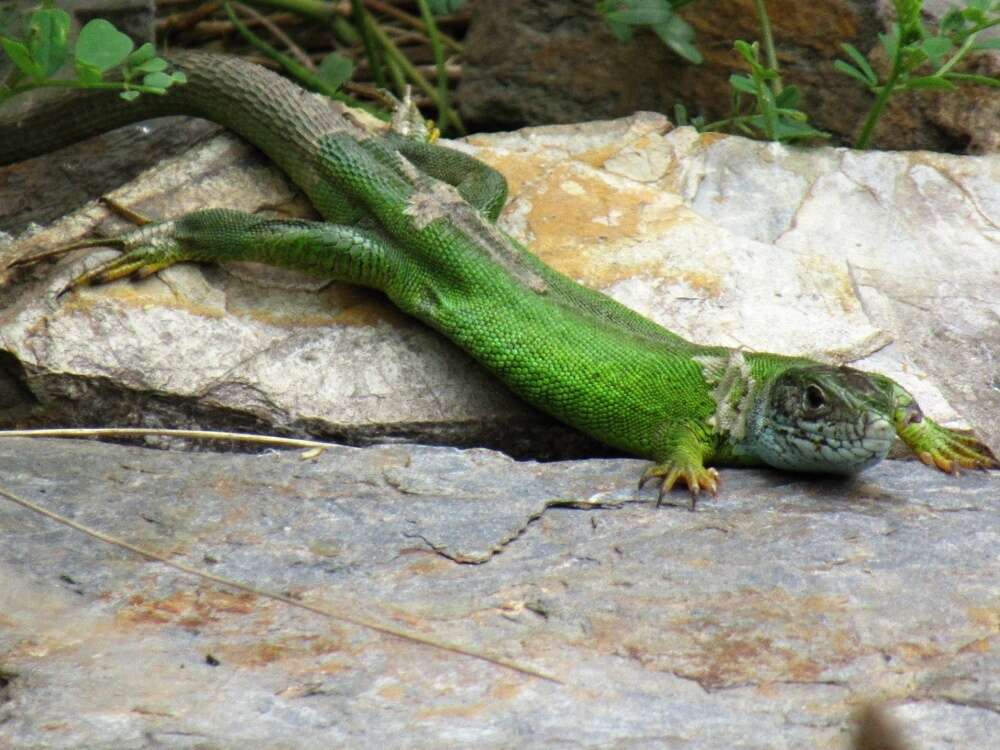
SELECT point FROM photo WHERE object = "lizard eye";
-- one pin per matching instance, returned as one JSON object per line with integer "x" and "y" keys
{"x": 814, "y": 398}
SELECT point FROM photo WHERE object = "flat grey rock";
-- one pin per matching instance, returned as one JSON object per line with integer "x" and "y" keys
{"x": 760, "y": 621}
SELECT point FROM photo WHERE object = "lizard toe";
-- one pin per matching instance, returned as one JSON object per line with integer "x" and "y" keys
{"x": 697, "y": 478}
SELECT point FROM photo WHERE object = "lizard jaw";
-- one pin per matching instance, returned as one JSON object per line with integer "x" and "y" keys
{"x": 818, "y": 418}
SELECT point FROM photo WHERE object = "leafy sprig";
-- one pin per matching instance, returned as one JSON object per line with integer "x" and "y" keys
{"x": 923, "y": 58}
{"x": 774, "y": 114}
{"x": 623, "y": 16}
{"x": 100, "y": 48}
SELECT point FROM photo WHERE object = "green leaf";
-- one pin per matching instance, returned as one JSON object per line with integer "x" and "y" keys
{"x": 621, "y": 30}
{"x": 791, "y": 130}
{"x": 101, "y": 45}
{"x": 751, "y": 53}
{"x": 145, "y": 53}
{"x": 912, "y": 56}
{"x": 868, "y": 74}
{"x": 743, "y": 83}
{"x": 129, "y": 96}
{"x": 788, "y": 97}
{"x": 848, "y": 69}
{"x": 952, "y": 23}
{"x": 87, "y": 73}
{"x": 21, "y": 57}
{"x": 930, "y": 82}
{"x": 335, "y": 70}
{"x": 974, "y": 79}
{"x": 155, "y": 65}
{"x": 641, "y": 12}
{"x": 748, "y": 51}
{"x": 907, "y": 11}
{"x": 157, "y": 80}
{"x": 936, "y": 47}
{"x": 890, "y": 41}
{"x": 680, "y": 114}
{"x": 974, "y": 15}
{"x": 678, "y": 35}
{"x": 765, "y": 98}
{"x": 179, "y": 77}
{"x": 47, "y": 39}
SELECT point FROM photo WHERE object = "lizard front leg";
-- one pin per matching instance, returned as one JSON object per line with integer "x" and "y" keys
{"x": 681, "y": 455}
{"x": 941, "y": 448}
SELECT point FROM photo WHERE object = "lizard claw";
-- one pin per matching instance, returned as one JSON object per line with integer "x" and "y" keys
{"x": 58, "y": 252}
{"x": 697, "y": 478}
{"x": 944, "y": 449}
{"x": 146, "y": 250}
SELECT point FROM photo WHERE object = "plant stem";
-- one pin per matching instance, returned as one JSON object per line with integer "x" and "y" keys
{"x": 305, "y": 75}
{"x": 976, "y": 79}
{"x": 391, "y": 10}
{"x": 772, "y": 57}
{"x": 880, "y": 101}
{"x": 374, "y": 54}
{"x": 444, "y": 106}
{"x": 959, "y": 53}
{"x": 318, "y": 11}
{"x": 720, "y": 124}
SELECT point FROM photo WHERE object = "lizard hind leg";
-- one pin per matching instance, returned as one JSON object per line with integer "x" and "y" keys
{"x": 345, "y": 253}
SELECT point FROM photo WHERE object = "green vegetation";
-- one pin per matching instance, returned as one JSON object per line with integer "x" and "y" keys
{"x": 915, "y": 56}
{"x": 920, "y": 58}
{"x": 659, "y": 16}
{"x": 390, "y": 67}
{"x": 911, "y": 48}
{"x": 105, "y": 58}
{"x": 43, "y": 51}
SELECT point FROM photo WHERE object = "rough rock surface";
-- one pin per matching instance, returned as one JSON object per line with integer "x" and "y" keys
{"x": 885, "y": 260}
{"x": 760, "y": 621}
{"x": 531, "y": 62}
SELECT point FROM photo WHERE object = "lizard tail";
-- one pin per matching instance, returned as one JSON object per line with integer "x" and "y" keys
{"x": 269, "y": 111}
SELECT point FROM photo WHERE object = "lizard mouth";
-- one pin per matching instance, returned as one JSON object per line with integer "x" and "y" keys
{"x": 832, "y": 447}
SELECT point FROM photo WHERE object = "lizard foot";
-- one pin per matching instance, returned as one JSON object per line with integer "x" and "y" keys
{"x": 697, "y": 478}
{"x": 407, "y": 120}
{"x": 146, "y": 250}
{"x": 945, "y": 449}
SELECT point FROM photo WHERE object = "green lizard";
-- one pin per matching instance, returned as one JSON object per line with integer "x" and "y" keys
{"x": 415, "y": 220}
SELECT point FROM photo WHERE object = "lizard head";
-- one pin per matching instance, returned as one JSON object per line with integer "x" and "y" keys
{"x": 826, "y": 419}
